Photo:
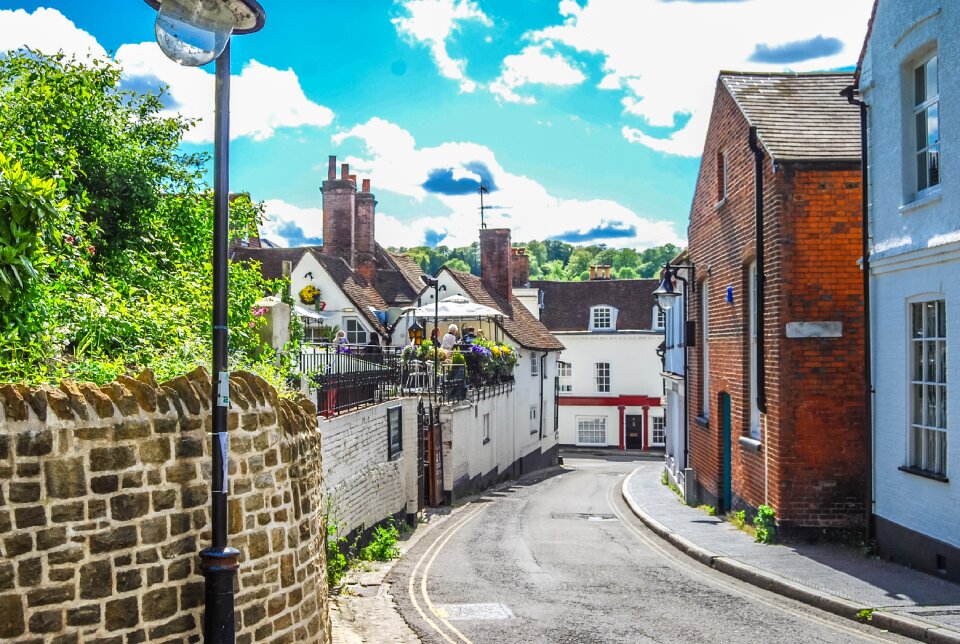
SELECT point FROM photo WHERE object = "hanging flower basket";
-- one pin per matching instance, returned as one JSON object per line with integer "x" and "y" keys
{"x": 309, "y": 294}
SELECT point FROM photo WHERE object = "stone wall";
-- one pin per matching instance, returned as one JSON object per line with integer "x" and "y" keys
{"x": 363, "y": 485}
{"x": 104, "y": 506}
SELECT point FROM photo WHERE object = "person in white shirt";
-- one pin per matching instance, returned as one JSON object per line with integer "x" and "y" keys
{"x": 450, "y": 339}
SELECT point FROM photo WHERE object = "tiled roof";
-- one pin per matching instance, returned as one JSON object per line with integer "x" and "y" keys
{"x": 398, "y": 278}
{"x": 271, "y": 259}
{"x": 518, "y": 322}
{"x": 799, "y": 117}
{"x": 356, "y": 288}
{"x": 566, "y": 305}
{"x": 409, "y": 268}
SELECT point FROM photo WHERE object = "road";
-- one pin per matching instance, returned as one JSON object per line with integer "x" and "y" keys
{"x": 559, "y": 558}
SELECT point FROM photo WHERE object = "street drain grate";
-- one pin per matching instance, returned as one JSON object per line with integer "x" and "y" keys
{"x": 457, "y": 612}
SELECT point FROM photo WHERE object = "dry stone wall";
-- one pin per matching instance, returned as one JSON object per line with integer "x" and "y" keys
{"x": 104, "y": 506}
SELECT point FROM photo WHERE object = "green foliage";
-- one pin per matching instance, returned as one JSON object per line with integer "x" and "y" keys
{"x": 383, "y": 545}
{"x": 865, "y": 614}
{"x": 106, "y": 234}
{"x": 739, "y": 519}
{"x": 708, "y": 509}
{"x": 766, "y": 524}
{"x": 337, "y": 563}
{"x": 552, "y": 260}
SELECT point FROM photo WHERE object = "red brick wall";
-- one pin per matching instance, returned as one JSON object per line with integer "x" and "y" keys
{"x": 811, "y": 226}
{"x": 363, "y": 235}
{"x": 521, "y": 268}
{"x": 496, "y": 259}
{"x": 339, "y": 197}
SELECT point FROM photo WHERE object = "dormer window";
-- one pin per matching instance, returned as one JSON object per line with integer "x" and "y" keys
{"x": 659, "y": 318}
{"x": 603, "y": 318}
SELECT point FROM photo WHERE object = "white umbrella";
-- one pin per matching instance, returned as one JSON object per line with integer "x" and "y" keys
{"x": 307, "y": 313}
{"x": 456, "y": 307}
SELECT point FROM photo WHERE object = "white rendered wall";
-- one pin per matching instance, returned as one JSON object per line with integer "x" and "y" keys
{"x": 338, "y": 306}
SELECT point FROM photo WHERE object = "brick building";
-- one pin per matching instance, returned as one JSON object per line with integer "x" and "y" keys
{"x": 778, "y": 418}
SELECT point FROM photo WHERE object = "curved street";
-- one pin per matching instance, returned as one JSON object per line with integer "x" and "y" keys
{"x": 558, "y": 557}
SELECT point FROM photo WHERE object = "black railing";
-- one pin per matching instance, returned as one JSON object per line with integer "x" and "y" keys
{"x": 347, "y": 377}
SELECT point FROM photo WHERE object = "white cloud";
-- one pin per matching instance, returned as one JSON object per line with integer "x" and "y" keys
{"x": 279, "y": 217}
{"x": 665, "y": 56}
{"x": 395, "y": 163}
{"x": 533, "y": 65}
{"x": 48, "y": 31}
{"x": 432, "y": 23}
{"x": 263, "y": 98}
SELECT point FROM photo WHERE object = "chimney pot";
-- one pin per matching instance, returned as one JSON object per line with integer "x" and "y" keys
{"x": 353, "y": 178}
{"x": 366, "y": 185}
{"x": 593, "y": 272}
{"x": 344, "y": 171}
{"x": 332, "y": 169}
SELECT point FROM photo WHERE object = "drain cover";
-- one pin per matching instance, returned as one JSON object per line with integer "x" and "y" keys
{"x": 583, "y": 515}
{"x": 473, "y": 611}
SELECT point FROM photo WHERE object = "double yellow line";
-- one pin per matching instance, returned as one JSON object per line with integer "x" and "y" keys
{"x": 429, "y": 556}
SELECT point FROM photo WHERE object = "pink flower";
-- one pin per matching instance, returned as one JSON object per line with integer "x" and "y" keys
{"x": 69, "y": 239}
{"x": 91, "y": 250}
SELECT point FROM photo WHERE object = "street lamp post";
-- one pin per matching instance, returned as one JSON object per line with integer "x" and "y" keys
{"x": 666, "y": 295}
{"x": 434, "y": 283}
{"x": 193, "y": 33}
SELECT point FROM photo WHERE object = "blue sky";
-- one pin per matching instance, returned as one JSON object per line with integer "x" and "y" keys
{"x": 585, "y": 117}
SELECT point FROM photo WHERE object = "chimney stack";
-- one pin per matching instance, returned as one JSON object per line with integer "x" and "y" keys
{"x": 496, "y": 259}
{"x": 339, "y": 206}
{"x": 521, "y": 267}
{"x": 364, "y": 238}
{"x": 593, "y": 273}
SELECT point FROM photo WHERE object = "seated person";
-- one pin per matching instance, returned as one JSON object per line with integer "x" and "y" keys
{"x": 469, "y": 333}
{"x": 450, "y": 339}
{"x": 341, "y": 337}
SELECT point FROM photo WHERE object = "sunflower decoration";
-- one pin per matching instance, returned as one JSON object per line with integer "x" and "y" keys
{"x": 309, "y": 294}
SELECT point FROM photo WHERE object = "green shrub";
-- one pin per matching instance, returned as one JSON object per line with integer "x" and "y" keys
{"x": 709, "y": 509}
{"x": 766, "y": 524}
{"x": 383, "y": 546}
{"x": 337, "y": 563}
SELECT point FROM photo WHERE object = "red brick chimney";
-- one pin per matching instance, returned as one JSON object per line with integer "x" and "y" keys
{"x": 521, "y": 267}
{"x": 339, "y": 206}
{"x": 364, "y": 240}
{"x": 496, "y": 259}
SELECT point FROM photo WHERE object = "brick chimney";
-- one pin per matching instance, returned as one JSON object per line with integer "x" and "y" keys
{"x": 496, "y": 259}
{"x": 364, "y": 241}
{"x": 521, "y": 267}
{"x": 339, "y": 206}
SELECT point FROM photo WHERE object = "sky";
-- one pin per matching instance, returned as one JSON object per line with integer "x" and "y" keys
{"x": 584, "y": 118}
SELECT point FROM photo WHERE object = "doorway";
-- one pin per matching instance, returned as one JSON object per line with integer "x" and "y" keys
{"x": 634, "y": 431}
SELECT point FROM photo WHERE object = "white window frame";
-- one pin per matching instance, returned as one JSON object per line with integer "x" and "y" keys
{"x": 601, "y": 377}
{"x": 593, "y": 427}
{"x": 705, "y": 346}
{"x": 486, "y": 428}
{"x": 603, "y": 317}
{"x": 534, "y": 364}
{"x": 356, "y": 335}
{"x": 659, "y": 318}
{"x": 534, "y": 424}
{"x": 752, "y": 314}
{"x": 925, "y": 109}
{"x": 658, "y": 426}
{"x": 927, "y": 373}
{"x": 565, "y": 373}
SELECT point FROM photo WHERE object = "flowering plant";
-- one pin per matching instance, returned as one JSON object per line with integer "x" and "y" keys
{"x": 309, "y": 294}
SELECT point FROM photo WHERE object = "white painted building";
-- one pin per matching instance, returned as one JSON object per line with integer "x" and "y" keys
{"x": 610, "y": 389}
{"x": 907, "y": 78}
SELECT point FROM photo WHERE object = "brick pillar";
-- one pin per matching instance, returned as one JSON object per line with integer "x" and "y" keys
{"x": 496, "y": 259}
{"x": 521, "y": 267}
{"x": 364, "y": 244}
{"x": 339, "y": 205}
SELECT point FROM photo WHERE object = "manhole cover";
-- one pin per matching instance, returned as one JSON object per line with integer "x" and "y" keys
{"x": 457, "y": 612}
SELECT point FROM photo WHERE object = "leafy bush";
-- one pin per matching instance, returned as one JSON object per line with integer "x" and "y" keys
{"x": 337, "y": 563}
{"x": 383, "y": 546}
{"x": 766, "y": 524}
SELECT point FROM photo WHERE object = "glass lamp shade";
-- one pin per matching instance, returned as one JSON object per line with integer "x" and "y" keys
{"x": 415, "y": 332}
{"x": 665, "y": 293}
{"x": 194, "y": 32}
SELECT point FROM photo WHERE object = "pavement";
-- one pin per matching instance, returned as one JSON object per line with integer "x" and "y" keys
{"x": 838, "y": 579}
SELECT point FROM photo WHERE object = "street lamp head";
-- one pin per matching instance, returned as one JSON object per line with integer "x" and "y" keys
{"x": 195, "y": 32}
{"x": 666, "y": 294}
{"x": 429, "y": 281}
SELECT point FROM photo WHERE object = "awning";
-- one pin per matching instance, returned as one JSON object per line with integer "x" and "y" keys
{"x": 455, "y": 307}
{"x": 308, "y": 313}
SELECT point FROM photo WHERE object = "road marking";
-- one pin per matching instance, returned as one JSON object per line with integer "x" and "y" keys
{"x": 682, "y": 561}
{"x": 435, "y": 548}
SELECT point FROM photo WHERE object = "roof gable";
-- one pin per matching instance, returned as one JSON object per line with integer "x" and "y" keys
{"x": 566, "y": 305}
{"x": 799, "y": 117}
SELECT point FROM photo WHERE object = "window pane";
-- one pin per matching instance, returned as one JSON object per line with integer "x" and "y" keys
{"x": 918, "y": 404}
{"x": 941, "y": 361}
{"x": 929, "y": 449}
{"x": 943, "y": 408}
{"x": 916, "y": 446}
{"x": 932, "y": 84}
{"x": 930, "y": 359}
{"x": 941, "y": 319}
{"x": 933, "y": 125}
{"x": 933, "y": 166}
{"x": 919, "y": 85}
{"x": 917, "y": 320}
{"x": 922, "y": 171}
{"x": 931, "y": 405}
{"x": 920, "y": 119}
{"x": 930, "y": 319}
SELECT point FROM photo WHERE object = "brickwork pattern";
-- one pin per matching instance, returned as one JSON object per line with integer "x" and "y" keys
{"x": 496, "y": 259}
{"x": 812, "y": 461}
{"x": 363, "y": 485}
{"x": 104, "y": 506}
{"x": 339, "y": 208}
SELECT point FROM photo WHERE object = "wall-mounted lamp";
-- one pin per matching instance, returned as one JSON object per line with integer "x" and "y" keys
{"x": 309, "y": 275}
{"x": 415, "y": 333}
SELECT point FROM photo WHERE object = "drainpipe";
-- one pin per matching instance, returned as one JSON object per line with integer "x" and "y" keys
{"x": 543, "y": 376}
{"x": 867, "y": 366}
{"x": 761, "y": 278}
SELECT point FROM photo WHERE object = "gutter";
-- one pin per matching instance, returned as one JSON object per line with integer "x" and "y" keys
{"x": 761, "y": 392}
{"x": 867, "y": 366}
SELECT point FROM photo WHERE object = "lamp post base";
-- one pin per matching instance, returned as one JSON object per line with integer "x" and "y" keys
{"x": 219, "y": 567}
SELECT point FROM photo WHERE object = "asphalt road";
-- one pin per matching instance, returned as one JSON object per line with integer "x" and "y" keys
{"x": 559, "y": 558}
